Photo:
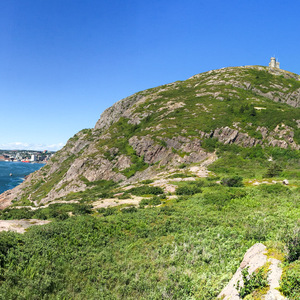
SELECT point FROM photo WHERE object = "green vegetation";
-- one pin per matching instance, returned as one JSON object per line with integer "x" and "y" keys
{"x": 152, "y": 201}
{"x": 146, "y": 190}
{"x": 290, "y": 281}
{"x": 96, "y": 189}
{"x": 252, "y": 282}
{"x": 181, "y": 250}
{"x": 188, "y": 190}
{"x": 234, "y": 181}
{"x": 254, "y": 162}
{"x": 274, "y": 170}
{"x": 52, "y": 212}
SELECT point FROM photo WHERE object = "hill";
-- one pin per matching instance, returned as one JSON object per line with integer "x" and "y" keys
{"x": 162, "y": 198}
{"x": 171, "y": 125}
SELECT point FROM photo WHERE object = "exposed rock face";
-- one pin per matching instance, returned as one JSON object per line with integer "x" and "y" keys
{"x": 228, "y": 135}
{"x": 167, "y": 126}
{"x": 255, "y": 258}
{"x": 113, "y": 113}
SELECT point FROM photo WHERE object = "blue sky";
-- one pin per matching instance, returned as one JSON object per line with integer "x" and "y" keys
{"x": 64, "y": 61}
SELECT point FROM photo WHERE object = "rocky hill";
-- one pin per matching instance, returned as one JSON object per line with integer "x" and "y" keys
{"x": 168, "y": 127}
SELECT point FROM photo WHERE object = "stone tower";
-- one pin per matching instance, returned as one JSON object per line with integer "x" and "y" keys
{"x": 273, "y": 63}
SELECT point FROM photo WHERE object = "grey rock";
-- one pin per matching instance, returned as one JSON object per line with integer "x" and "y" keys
{"x": 255, "y": 258}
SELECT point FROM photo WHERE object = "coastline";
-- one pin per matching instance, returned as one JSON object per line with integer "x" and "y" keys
{"x": 13, "y": 174}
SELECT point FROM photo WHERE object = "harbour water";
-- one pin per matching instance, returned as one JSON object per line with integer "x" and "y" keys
{"x": 13, "y": 173}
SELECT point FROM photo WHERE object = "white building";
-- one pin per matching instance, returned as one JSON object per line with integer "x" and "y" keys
{"x": 273, "y": 63}
{"x": 33, "y": 157}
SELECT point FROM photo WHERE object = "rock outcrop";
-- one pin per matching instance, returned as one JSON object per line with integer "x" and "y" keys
{"x": 255, "y": 258}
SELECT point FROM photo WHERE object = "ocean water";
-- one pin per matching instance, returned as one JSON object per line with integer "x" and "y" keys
{"x": 18, "y": 170}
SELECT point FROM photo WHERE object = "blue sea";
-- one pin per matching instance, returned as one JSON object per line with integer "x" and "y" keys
{"x": 18, "y": 171}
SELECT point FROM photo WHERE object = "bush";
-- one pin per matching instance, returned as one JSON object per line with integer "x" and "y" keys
{"x": 153, "y": 201}
{"x": 147, "y": 181}
{"x": 110, "y": 211}
{"x": 290, "y": 281}
{"x": 130, "y": 209}
{"x": 251, "y": 282}
{"x": 273, "y": 171}
{"x": 146, "y": 190}
{"x": 293, "y": 245}
{"x": 235, "y": 181}
{"x": 8, "y": 240}
{"x": 274, "y": 188}
{"x": 182, "y": 166}
{"x": 178, "y": 175}
{"x": 82, "y": 209}
{"x": 16, "y": 214}
{"x": 219, "y": 198}
{"x": 209, "y": 144}
{"x": 101, "y": 210}
{"x": 188, "y": 190}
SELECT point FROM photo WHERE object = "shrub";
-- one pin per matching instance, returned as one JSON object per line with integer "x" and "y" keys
{"x": 152, "y": 201}
{"x": 178, "y": 175}
{"x": 274, "y": 188}
{"x": 218, "y": 198}
{"x": 234, "y": 181}
{"x": 251, "y": 282}
{"x": 237, "y": 193}
{"x": 16, "y": 213}
{"x": 293, "y": 245}
{"x": 82, "y": 209}
{"x": 290, "y": 281}
{"x": 101, "y": 210}
{"x": 188, "y": 190}
{"x": 209, "y": 144}
{"x": 8, "y": 240}
{"x": 61, "y": 216}
{"x": 147, "y": 181}
{"x": 146, "y": 190}
{"x": 274, "y": 170}
{"x": 110, "y": 211}
{"x": 130, "y": 209}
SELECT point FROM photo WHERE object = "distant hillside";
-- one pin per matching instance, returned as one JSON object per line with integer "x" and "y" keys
{"x": 170, "y": 127}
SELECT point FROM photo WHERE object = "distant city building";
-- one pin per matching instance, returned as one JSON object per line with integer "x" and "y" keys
{"x": 19, "y": 156}
{"x": 33, "y": 157}
{"x": 273, "y": 63}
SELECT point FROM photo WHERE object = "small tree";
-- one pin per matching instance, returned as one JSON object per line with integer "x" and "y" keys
{"x": 234, "y": 181}
{"x": 273, "y": 170}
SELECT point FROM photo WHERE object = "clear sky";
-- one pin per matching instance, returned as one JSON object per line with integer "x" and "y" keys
{"x": 62, "y": 62}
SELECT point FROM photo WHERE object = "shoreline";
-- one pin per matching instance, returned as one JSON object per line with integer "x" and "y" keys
{"x": 25, "y": 162}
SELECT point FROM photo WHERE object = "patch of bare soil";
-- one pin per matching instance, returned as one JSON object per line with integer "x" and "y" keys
{"x": 20, "y": 226}
{"x": 115, "y": 202}
{"x": 200, "y": 171}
